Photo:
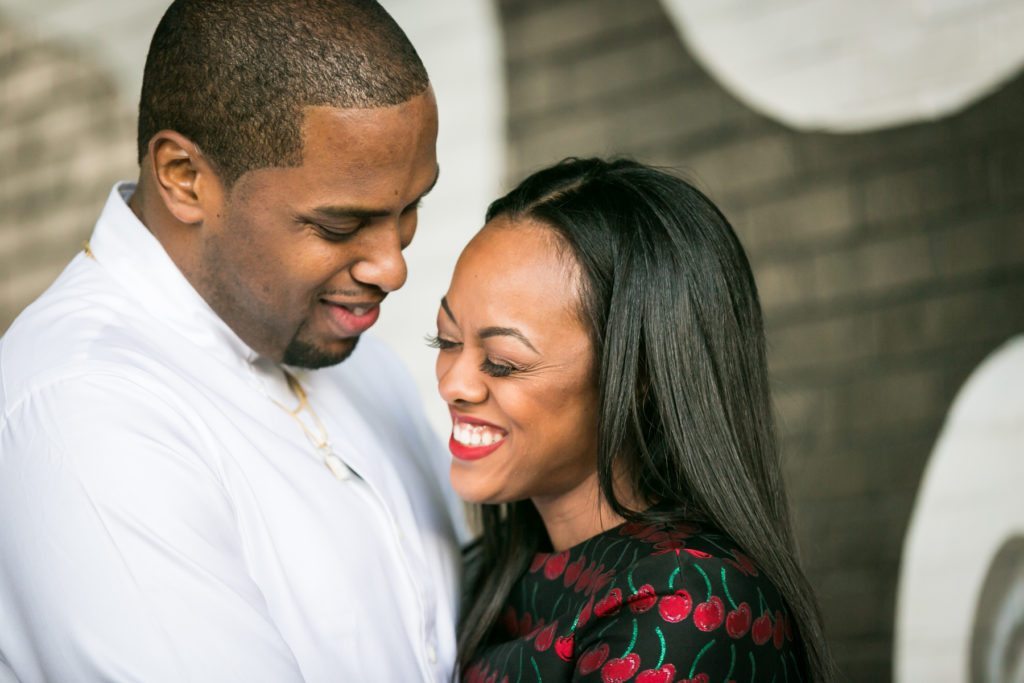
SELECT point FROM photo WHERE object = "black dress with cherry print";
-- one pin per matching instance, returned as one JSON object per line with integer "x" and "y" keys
{"x": 643, "y": 603}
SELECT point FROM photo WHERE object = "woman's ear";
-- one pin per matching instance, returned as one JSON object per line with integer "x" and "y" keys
{"x": 182, "y": 175}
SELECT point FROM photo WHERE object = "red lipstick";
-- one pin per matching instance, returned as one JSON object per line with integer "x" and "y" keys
{"x": 466, "y": 452}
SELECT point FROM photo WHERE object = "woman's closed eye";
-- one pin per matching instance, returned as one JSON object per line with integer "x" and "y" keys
{"x": 497, "y": 369}
{"x": 436, "y": 341}
{"x": 488, "y": 366}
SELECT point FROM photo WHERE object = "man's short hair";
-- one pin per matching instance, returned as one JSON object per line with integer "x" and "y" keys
{"x": 235, "y": 75}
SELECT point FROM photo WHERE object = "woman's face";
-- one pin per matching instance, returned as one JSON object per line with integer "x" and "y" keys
{"x": 516, "y": 367}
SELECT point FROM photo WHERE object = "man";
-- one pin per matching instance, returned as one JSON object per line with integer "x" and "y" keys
{"x": 184, "y": 496}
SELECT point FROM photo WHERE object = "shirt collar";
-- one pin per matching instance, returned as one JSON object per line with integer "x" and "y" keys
{"x": 126, "y": 249}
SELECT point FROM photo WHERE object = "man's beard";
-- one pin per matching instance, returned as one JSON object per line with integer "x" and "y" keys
{"x": 303, "y": 354}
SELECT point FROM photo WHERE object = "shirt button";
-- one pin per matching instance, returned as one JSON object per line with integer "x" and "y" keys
{"x": 431, "y": 653}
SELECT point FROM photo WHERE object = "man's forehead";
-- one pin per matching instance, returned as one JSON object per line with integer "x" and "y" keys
{"x": 374, "y": 135}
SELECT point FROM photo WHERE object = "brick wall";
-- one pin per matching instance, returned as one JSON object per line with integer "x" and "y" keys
{"x": 65, "y": 137}
{"x": 889, "y": 264}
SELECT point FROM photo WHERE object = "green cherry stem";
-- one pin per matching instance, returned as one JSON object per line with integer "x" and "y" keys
{"x": 632, "y": 641}
{"x": 728, "y": 595}
{"x": 554, "y": 610}
{"x": 693, "y": 668}
{"x": 661, "y": 639}
{"x": 707, "y": 581}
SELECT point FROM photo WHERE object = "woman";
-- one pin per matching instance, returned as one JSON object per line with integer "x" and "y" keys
{"x": 602, "y": 353}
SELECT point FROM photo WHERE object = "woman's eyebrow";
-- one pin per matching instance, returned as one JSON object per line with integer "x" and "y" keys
{"x": 506, "y": 332}
{"x": 444, "y": 305}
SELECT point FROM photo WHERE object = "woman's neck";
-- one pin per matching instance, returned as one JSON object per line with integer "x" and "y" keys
{"x": 572, "y": 517}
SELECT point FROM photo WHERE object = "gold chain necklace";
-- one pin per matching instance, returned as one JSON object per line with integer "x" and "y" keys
{"x": 320, "y": 442}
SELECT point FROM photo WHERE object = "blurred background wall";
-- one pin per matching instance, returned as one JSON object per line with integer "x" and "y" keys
{"x": 870, "y": 156}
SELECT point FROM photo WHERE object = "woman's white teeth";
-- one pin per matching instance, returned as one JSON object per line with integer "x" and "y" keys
{"x": 476, "y": 435}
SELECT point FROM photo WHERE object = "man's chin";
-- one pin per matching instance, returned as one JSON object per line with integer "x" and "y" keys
{"x": 303, "y": 354}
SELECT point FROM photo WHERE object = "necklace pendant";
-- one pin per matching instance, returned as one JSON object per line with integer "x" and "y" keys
{"x": 338, "y": 468}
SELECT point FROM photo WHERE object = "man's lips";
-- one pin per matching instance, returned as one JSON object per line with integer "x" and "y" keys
{"x": 351, "y": 319}
{"x": 473, "y": 438}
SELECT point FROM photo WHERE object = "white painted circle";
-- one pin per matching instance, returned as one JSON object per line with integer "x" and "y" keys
{"x": 968, "y": 507}
{"x": 842, "y": 65}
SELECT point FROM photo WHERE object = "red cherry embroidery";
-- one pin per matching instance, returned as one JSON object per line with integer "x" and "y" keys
{"x": 591, "y": 660}
{"x": 644, "y": 599}
{"x": 585, "y": 613}
{"x": 699, "y": 678}
{"x": 779, "y": 632}
{"x": 658, "y": 537}
{"x": 525, "y": 624}
{"x": 493, "y": 678}
{"x": 564, "y": 647}
{"x": 546, "y": 637}
{"x": 671, "y": 545}
{"x": 622, "y": 669}
{"x": 675, "y": 608}
{"x": 761, "y": 632}
{"x": 743, "y": 563}
{"x": 555, "y": 565}
{"x": 584, "y": 581}
{"x": 538, "y": 561}
{"x": 510, "y": 621}
{"x": 536, "y": 629}
{"x": 707, "y": 616}
{"x": 638, "y": 530}
{"x": 665, "y": 674}
{"x": 737, "y": 622}
{"x": 573, "y": 571}
{"x": 609, "y": 604}
{"x": 699, "y": 554}
{"x": 600, "y": 578}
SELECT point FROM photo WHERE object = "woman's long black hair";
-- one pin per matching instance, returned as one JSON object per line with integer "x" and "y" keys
{"x": 685, "y": 407}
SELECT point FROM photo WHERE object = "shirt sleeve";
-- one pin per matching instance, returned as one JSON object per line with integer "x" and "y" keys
{"x": 121, "y": 558}
{"x": 676, "y": 618}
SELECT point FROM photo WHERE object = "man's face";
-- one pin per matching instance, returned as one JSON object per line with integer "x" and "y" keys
{"x": 297, "y": 260}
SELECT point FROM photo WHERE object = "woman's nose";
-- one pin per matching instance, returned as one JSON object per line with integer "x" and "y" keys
{"x": 458, "y": 378}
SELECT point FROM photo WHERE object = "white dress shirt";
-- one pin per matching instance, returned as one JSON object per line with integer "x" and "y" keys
{"x": 163, "y": 519}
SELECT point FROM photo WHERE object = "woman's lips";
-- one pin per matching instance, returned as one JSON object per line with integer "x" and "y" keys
{"x": 473, "y": 438}
{"x": 351, "y": 320}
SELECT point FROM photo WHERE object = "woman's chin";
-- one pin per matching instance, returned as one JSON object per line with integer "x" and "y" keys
{"x": 474, "y": 488}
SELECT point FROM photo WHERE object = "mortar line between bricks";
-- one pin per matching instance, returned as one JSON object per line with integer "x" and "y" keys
{"x": 860, "y": 302}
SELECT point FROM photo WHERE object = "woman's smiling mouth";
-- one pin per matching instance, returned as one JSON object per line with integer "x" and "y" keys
{"x": 473, "y": 438}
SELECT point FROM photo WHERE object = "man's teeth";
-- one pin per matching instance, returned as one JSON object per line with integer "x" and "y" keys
{"x": 476, "y": 435}
{"x": 358, "y": 310}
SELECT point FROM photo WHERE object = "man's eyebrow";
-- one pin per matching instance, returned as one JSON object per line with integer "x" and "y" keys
{"x": 444, "y": 305}
{"x": 506, "y": 332}
{"x": 343, "y": 212}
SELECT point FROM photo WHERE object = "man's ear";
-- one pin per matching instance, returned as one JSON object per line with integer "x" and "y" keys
{"x": 183, "y": 176}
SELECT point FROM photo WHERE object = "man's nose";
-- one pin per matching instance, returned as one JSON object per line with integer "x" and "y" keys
{"x": 381, "y": 263}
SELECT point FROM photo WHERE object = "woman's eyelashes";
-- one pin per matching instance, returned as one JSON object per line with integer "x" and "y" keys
{"x": 436, "y": 341}
{"x": 497, "y": 369}
{"x": 488, "y": 366}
